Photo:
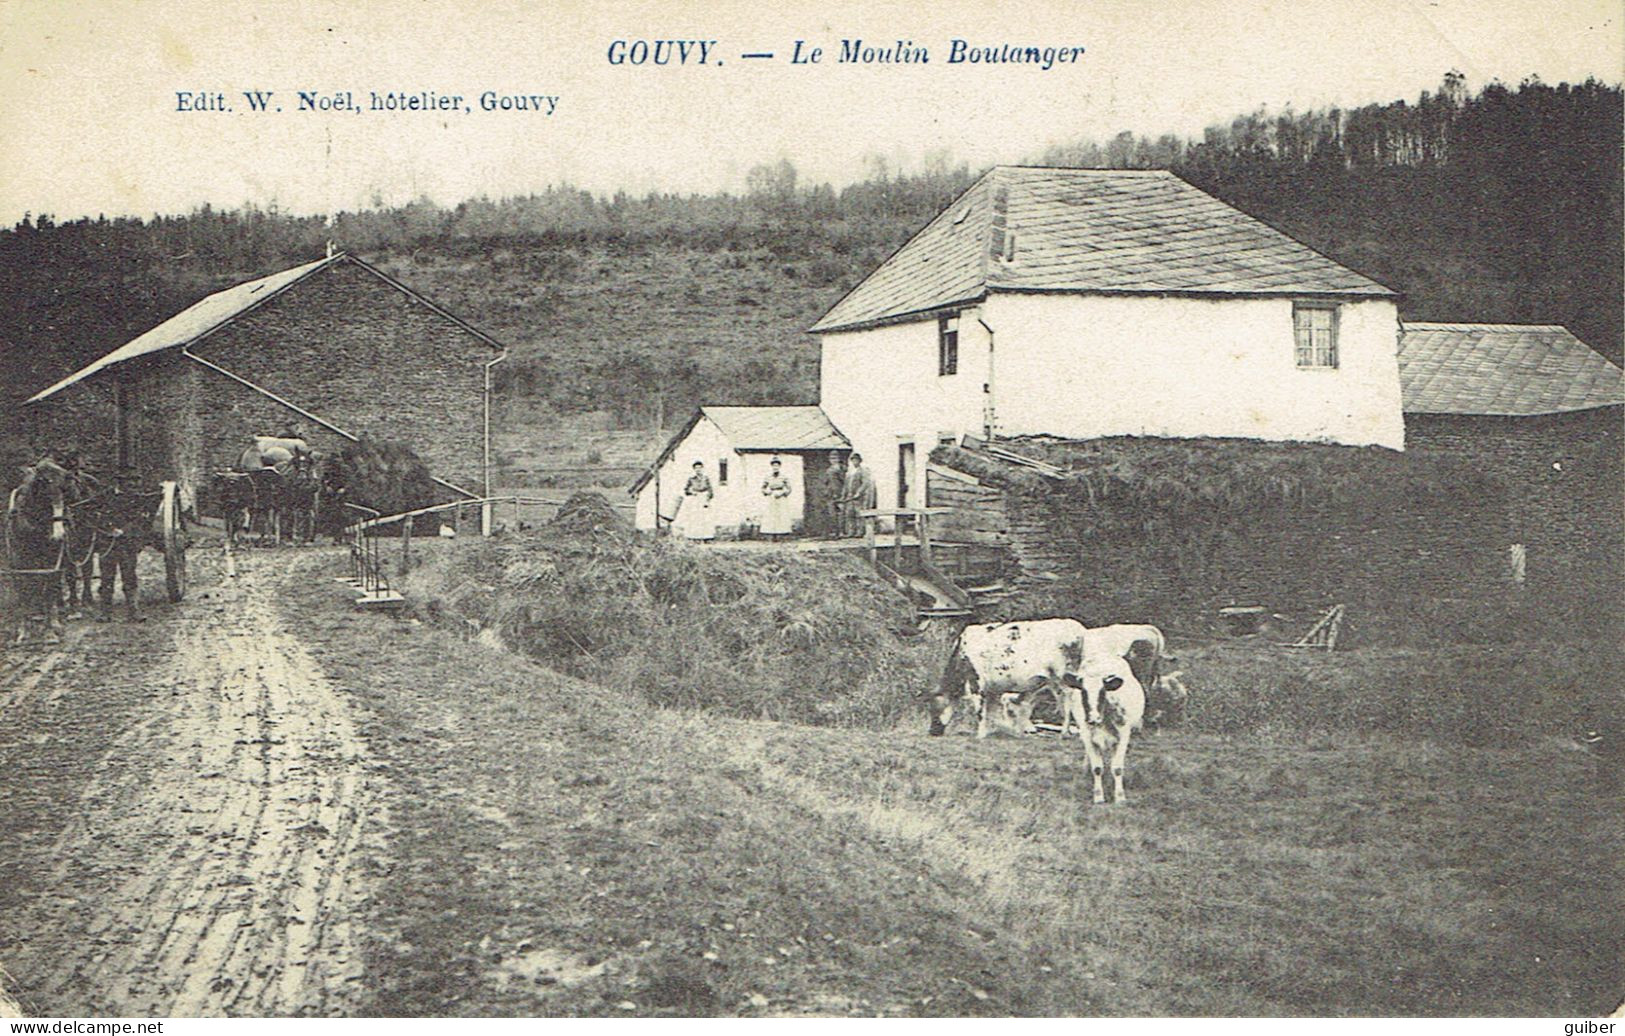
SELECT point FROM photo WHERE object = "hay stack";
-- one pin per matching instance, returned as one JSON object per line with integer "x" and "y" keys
{"x": 386, "y": 476}
{"x": 588, "y": 514}
{"x": 805, "y": 637}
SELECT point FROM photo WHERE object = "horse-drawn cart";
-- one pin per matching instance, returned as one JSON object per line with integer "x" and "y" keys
{"x": 59, "y": 523}
{"x": 170, "y": 535}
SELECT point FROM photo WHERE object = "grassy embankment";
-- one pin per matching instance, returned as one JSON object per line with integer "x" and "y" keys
{"x": 1327, "y": 836}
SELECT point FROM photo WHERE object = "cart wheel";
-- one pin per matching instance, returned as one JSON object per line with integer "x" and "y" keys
{"x": 169, "y": 516}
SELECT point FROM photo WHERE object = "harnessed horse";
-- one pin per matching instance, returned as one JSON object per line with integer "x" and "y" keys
{"x": 83, "y": 492}
{"x": 36, "y": 539}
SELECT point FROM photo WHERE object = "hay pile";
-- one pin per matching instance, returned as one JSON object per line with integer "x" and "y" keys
{"x": 774, "y": 634}
{"x": 1176, "y": 528}
{"x": 586, "y": 514}
{"x": 386, "y": 476}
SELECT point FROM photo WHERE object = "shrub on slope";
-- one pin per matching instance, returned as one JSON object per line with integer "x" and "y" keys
{"x": 782, "y": 635}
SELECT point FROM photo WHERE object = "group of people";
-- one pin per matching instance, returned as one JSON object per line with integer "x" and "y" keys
{"x": 849, "y": 490}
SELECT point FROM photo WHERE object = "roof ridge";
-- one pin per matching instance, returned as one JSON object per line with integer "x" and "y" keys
{"x": 1092, "y": 170}
{"x": 253, "y": 284}
{"x": 1481, "y": 323}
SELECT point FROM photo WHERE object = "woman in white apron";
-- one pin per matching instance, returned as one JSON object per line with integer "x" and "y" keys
{"x": 694, "y": 519}
{"x": 776, "y": 519}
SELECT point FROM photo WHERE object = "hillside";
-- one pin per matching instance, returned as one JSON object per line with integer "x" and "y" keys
{"x": 1505, "y": 206}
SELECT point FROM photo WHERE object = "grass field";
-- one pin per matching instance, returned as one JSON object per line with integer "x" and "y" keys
{"x": 558, "y": 848}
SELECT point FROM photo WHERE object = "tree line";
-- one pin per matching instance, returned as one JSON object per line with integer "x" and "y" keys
{"x": 1504, "y": 205}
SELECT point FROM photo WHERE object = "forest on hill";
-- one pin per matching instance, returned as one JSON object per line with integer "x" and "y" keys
{"x": 1500, "y": 206}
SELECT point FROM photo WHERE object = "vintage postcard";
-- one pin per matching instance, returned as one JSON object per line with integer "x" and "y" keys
{"x": 837, "y": 509}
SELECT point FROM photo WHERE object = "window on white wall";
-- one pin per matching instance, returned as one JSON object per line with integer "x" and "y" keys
{"x": 948, "y": 344}
{"x": 1314, "y": 327}
{"x": 722, "y": 472}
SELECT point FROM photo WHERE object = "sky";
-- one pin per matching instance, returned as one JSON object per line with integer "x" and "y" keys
{"x": 89, "y": 122}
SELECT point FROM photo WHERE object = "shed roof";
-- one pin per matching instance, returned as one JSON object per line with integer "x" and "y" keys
{"x": 212, "y": 312}
{"x": 1503, "y": 369}
{"x": 193, "y": 322}
{"x": 759, "y": 429}
{"x": 1038, "y": 229}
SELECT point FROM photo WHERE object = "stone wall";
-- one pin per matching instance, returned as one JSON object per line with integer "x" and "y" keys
{"x": 354, "y": 350}
{"x": 343, "y": 344}
{"x": 1565, "y": 475}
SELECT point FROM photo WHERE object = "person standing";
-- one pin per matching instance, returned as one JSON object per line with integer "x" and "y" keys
{"x": 834, "y": 483}
{"x": 859, "y": 494}
{"x": 124, "y": 527}
{"x": 694, "y": 515}
{"x": 777, "y": 520}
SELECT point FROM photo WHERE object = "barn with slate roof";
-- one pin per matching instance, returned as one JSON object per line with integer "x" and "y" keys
{"x": 1085, "y": 303}
{"x": 332, "y": 349}
{"x": 1546, "y": 413}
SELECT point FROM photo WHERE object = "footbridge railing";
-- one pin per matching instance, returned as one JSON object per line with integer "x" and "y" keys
{"x": 369, "y": 567}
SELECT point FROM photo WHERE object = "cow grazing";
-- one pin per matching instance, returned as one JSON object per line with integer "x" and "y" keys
{"x": 1112, "y": 703}
{"x": 997, "y": 668}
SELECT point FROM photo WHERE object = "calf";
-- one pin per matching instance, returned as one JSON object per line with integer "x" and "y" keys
{"x": 1141, "y": 645}
{"x": 1112, "y": 703}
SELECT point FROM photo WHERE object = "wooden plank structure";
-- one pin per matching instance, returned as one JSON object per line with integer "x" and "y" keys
{"x": 1323, "y": 634}
{"x": 928, "y": 581}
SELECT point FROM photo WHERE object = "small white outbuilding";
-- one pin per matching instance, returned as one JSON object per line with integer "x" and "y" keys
{"x": 735, "y": 446}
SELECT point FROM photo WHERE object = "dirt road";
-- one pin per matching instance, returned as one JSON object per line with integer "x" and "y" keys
{"x": 185, "y": 840}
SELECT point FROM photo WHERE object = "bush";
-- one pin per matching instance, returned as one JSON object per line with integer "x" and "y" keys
{"x": 785, "y": 635}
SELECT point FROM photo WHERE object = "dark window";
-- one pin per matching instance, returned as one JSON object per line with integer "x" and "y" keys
{"x": 722, "y": 472}
{"x": 948, "y": 344}
{"x": 1314, "y": 332}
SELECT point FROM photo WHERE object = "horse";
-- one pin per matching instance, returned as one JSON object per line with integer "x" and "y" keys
{"x": 278, "y": 467}
{"x": 83, "y": 491}
{"x": 36, "y": 537}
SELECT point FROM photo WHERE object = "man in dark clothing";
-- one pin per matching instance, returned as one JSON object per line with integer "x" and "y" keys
{"x": 859, "y": 494}
{"x": 834, "y": 488}
{"x": 125, "y": 525}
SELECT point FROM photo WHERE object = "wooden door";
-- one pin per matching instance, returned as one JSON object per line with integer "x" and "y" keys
{"x": 905, "y": 473}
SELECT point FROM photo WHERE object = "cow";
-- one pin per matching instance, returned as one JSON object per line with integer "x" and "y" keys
{"x": 1111, "y": 701}
{"x": 1142, "y": 646}
{"x": 997, "y": 667}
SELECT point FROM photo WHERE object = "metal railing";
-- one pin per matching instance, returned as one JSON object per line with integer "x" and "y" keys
{"x": 366, "y": 565}
{"x": 369, "y": 570}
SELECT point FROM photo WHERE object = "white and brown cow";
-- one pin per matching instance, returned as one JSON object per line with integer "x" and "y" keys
{"x": 1111, "y": 702}
{"x": 997, "y": 668}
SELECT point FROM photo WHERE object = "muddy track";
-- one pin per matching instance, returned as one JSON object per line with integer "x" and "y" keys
{"x": 220, "y": 876}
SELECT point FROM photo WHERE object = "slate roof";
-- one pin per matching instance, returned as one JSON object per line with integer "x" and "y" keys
{"x": 209, "y": 314}
{"x": 1089, "y": 231}
{"x": 759, "y": 429}
{"x": 1513, "y": 370}
{"x": 194, "y": 321}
